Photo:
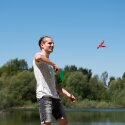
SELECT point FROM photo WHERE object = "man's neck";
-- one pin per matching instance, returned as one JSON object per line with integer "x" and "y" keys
{"x": 45, "y": 53}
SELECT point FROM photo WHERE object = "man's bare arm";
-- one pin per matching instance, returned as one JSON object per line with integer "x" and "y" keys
{"x": 43, "y": 59}
{"x": 66, "y": 93}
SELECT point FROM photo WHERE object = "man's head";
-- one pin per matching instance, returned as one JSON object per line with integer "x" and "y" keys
{"x": 46, "y": 43}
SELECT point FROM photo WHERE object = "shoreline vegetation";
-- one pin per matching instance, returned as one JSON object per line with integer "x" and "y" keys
{"x": 85, "y": 105}
{"x": 18, "y": 87}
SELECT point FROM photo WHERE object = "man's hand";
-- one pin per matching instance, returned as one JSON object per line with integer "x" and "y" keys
{"x": 72, "y": 98}
{"x": 57, "y": 68}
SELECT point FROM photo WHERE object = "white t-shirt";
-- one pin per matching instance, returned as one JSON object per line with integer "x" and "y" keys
{"x": 45, "y": 78}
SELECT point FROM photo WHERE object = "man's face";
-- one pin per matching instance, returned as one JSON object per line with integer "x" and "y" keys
{"x": 48, "y": 45}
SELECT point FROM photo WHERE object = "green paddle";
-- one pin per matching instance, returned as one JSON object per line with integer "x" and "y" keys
{"x": 61, "y": 75}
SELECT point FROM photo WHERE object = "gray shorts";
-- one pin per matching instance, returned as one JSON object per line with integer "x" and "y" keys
{"x": 49, "y": 107}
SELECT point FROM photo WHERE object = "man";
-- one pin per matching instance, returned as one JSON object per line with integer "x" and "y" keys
{"x": 47, "y": 91}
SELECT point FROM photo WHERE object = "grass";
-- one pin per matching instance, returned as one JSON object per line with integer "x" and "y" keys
{"x": 93, "y": 104}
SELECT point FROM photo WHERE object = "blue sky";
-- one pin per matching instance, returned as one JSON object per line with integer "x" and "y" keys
{"x": 77, "y": 27}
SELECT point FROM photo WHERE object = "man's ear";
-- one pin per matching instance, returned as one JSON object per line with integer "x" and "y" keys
{"x": 42, "y": 45}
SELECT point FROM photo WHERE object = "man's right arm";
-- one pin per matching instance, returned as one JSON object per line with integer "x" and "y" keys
{"x": 43, "y": 59}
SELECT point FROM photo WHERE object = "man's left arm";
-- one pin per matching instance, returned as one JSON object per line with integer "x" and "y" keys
{"x": 66, "y": 93}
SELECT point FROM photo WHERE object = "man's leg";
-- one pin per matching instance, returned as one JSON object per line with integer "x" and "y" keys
{"x": 63, "y": 121}
{"x": 47, "y": 123}
{"x": 45, "y": 110}
{"x": 59, "y": 112}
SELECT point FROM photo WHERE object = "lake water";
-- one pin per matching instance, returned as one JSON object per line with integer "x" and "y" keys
{"x": 75, "y": 117}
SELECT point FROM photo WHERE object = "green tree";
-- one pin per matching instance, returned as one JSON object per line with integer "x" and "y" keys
{"x": 97, "y": 90}
{"x": 104, "y": 78}
{"x": 123, "y": 76}
{"x": 70, "y": 68}
{"x": 22, "y": 86}
{"x": 76, "y": 82}
{"x": 13, "y": 66}
{"x": 110, "y": 80}
{"x": 86, "y": 72}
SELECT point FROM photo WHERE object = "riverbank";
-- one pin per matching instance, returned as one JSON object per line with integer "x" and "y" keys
{"x": 94, "y": 104}
{"x": 85, "y": 104}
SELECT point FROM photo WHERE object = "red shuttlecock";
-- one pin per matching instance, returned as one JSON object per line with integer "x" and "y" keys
{"x": 101, "y": 45}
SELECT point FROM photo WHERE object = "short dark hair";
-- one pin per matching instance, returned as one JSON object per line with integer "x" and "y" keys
{"x": 42, "y": 40}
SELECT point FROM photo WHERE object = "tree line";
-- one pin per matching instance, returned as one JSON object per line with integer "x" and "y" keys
{"x": 18, "y": 85}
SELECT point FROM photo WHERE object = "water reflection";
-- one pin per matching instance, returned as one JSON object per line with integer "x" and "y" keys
{"x": 75, "y": 117}
{"x": 97, "y": 116}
